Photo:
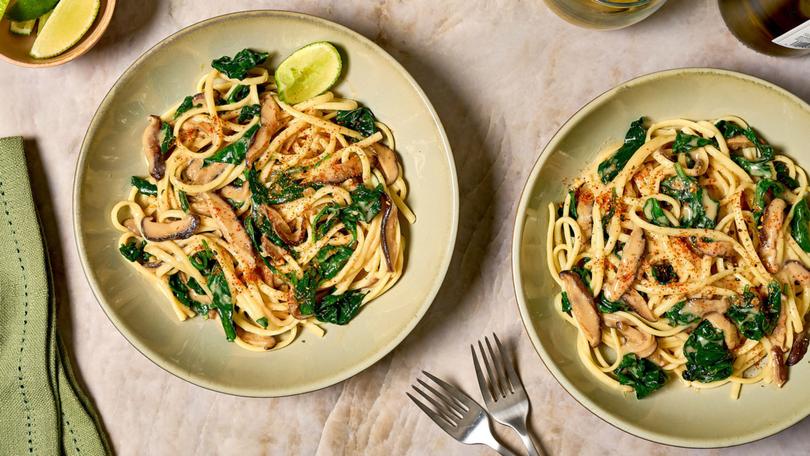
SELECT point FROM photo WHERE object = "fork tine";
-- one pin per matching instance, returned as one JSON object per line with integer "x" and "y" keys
{"x": 514, "y": 379}
{"x": 438, "y": 419}
{"x": 448, "y": 403}
{"x": 439, "y": 407}
{"x": 482, "y": 383}
{"x": 460, "y": 397}
{"x": 497, "y": 361}
{"x": 494, "y": 382}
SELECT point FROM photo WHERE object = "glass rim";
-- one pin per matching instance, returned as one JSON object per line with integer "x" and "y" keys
{"x": 620, "y": 4}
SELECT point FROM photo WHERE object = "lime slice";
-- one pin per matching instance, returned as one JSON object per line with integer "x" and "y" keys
{"x": 68, "y": 23}
{"x": 3, "y": 6}
{"x": 26, "y": 10}
{"x": 22, "y": 28}
{"x": 308, "y": 72}
{"x": 42, "y": 20}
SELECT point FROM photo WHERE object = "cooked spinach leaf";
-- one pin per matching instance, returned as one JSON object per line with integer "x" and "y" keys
{"x": 783, "y": 175}
{"x": 304, "y": 289}
{"x": 685, "y": 142}
{"x": 222, "y": 301}
{"x": 634, "y": 139}
{"x": 366, "y": 204}
{"x": 331, "y": 259}
{"x": 235, "y": 152}
{"x": 640, "y": 373}
{"x": 572, "y": 206}
{"x": 188, "y": 103}
{"x": 664, "y": 273}
{"x": 133, "y": 251}
{"x": 144, "y": 186}
{"x": 748, "y": 315}
{"x": 238, "y": 66}
{"x": 773, "y": 306}
{"x": 566, "y": 304}
{"x": 181, "y": 195}
{"x": 238, "y": 94}
{"x": 654, "y": 213}
{"x": 236, "y": 205}
{"x": 611, "y": 211}
{"x": 800, "y": 225}
{"x": 262, "y": 322}
{"x": 761, "y": 190}
{"x": 729, "y": 129}
{"x": 167, "y": 137}
{"x": 360, "y": 120}
{"x": 677, "y": 316}
{"x": 686, "y": 189}
{"x": 707, "y": 357}
{"x": 605, "y": 305}
{"x": 758, "y": 167}
{"x": 583, "y": 274}
{"x": 248, "y": 112}
{"x": 326, "y": 218}
{"x": 340, "y": 309}
{"x": 203, "y": 260}
{"x": 181, "y": 292}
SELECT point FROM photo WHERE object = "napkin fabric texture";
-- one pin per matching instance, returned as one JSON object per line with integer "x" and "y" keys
{"x": 42, "y": 409}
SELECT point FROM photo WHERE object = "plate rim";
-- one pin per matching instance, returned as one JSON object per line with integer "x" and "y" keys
{"x": 200, "y": 380}
{"x": 517, "y": 235}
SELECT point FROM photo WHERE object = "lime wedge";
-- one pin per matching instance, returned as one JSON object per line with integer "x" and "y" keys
{"x": 3, "y": 6}
{"x": 22, "y": 28}
{"x": 26, "y": 10}
{"x": 308, "y": 72}
{"x": 68, "y": 23}
{"x": 42, "y": 20}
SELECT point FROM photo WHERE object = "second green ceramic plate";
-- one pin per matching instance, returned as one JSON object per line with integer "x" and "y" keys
{"x": 675, "y": 415}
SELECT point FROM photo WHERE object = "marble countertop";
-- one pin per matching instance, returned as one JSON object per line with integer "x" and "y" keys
{"x": 503, "y": 75}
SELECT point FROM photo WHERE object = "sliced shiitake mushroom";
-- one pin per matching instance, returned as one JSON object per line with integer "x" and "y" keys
{"x": 169, "y": 231}
{"x": 231, "y": 229}
{"x": 585, "y": 214}
{"x": 271, "y": 123}
{"x": 582, "y": 306}
{"x": 388, "y": 231}
{"x": 198, "y": 173}
{"x": 739, "y": 142}
{"x": 387, "y": 162}
{"x": 730, "y": 334}
{"x": 257, "y": 340}
{"x": 282, "y": 228}
{"x": 333, "y": 171}
{"x": 799, "y": 349}
{"x": 794, "y": 272}
{"x": 778, "y": 367}
{"x": 631, "y": 258}
{"x": 772, "y": 222}
{"x": 150, "y": 142}
{"x": 711, "y": 247}
{"x": 636, "y": 302}
{"x": 704, "y": 306}
{"x": 635, "y": 341}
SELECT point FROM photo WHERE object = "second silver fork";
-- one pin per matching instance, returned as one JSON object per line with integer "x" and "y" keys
{"x": 503, "y": 390}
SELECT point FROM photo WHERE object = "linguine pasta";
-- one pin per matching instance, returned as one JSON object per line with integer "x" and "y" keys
{"x": 682, "y": 252}
{"x": 265, "y": 216}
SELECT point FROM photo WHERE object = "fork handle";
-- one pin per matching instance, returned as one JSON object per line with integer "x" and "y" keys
{"x": 490, "y": 441}
{"x": 502, "y": 450}
{"x": 526, "y": 437}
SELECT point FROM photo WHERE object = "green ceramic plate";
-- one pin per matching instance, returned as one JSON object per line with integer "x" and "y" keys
{"x": 674, "y": 415}
{"x": 196, "y": 350}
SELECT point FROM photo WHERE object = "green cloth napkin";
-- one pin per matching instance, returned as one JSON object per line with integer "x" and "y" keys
{"x": 42, "y": 409}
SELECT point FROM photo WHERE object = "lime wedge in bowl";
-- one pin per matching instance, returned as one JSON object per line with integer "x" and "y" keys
{"x": 308, "y": 72}
{"x": 42, "y": 20}
{"x": 22, "y": 28}
{"x": 67, "y": 24}
{"x": 27, "y": 10}
{"x": 3, "y": 6}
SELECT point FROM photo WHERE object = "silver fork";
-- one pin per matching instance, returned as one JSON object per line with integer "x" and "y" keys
{"x": 455, "y": 412}
{"x": 503, "y": 391}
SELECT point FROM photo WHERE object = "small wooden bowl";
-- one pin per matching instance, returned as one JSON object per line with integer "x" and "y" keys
{"x": 14, "y": 48}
